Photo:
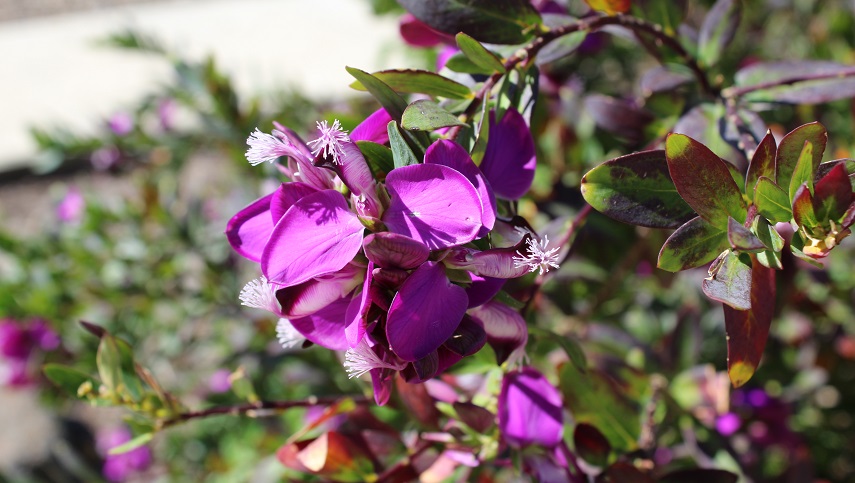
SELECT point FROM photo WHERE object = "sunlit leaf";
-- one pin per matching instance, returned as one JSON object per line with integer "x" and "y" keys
{"x": 378, "y": 157}
{"x": 694, "y": 244}
{"x": 803, "y": 172}
{"x": 134, "y": 443}
{"x": 416, "y": 81}
{"x": 730, "y": 281}
{"x": 771, "y": 201}
{"x": 771, "y": 257}
{"x": 478, "y": 54}
{"x": 791, "y": 147}
{"x": 426, "y": 115}
{"x": 67, "y": 378}
{"x": 610, "y": 7}
{"x": 762, "y": 164}
{"x": 388, "y": 98}
{"x": 401, "y": 152}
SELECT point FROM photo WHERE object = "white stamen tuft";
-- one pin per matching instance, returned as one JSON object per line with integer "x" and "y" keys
{"x": 265, "y": 148}
{"x": 538, "y": 257}
{"x": 362, "y": 358}
{"x": 287, "y": 335}
{"x": 260, "y": 294}
{"x": 330, "y": 141}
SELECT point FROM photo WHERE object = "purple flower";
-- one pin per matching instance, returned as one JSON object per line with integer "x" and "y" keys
{"x": 727, "y": 423}
{"x": 166, "y": 113}
{"x": 120, "y": 467}
{"x": 70, "y": 209}
{"x": 509, "y": 160}
{"x": 530, "y": 410}
{"x": 18, "y": 345}
{"x": 121, "y": 123}
{"x": 219, "y": 382}
{"x": 105, "y": 158}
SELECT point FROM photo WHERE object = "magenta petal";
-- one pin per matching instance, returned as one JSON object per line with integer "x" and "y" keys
{"x": 530, "y": 410}
{"x": 249, "y": 230}
{"x": 509, "y": 160}
{"x": 326, "y": 326}
{"x": 495, "y": 262}
{"x": 381, "y": 381}
{"x": 483, "y": 289}
{"x": 357, "y": 311}
{"x": 317, "y": 235}
{"x": 448, "y": 153}
{"x": 506, "y": 329}
{"x": 433, "y": 204}
{"x": 424, "y": 313}
{"x": 312, "y": 295}
{"x": 286, "y": 196}
{"x": 468, "y": 338}
{"x": 373, "y": 128}
{"x": 391, "y": 250}
{"x": 418, "y": 34}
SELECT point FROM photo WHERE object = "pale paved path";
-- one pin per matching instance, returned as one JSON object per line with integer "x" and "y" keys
{"x": 52, "y": 73}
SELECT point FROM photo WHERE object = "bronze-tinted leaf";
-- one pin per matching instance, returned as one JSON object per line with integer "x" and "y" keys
{"x": 475, "y": 416}
{"x": 762, "y": 164}
{"x": 791, "y": 147}
{"x": 703, "y": 181}
{"x": 742, "y": 239}
{"x": 790, "y": 81}
{"x": 610, "y": 7}
{"x": 747, "y": 330}
{"x": 803, "y": 211}
{"x": 591, "y": 445}
{"x": 694, "y": 244}
{"x": 636, "y": 189}
{"x": 618, "y": 116}
{"x": 833, "y": 194}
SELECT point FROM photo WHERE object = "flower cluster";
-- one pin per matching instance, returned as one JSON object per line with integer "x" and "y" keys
{"x": 19, "y": 345}
{"x": 398, "y": 269}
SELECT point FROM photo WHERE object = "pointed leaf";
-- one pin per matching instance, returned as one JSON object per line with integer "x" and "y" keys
{"x": 771, "y": 201}
{"x": 562, "y": 46}
{"x": 762, "y": 164}
{"x": 771, "y": 257}
{"x": 414, "y": 81}
{"x": 729, "y": 281}
{"x": 718, "y": 29}
{"x": 492, "y": 21}
{"x": 460, "y": 63}
{"x": 694, "y": 244}
{"x": 833, "y": 194}
{"x": 474, "y": 416}
{"x": 703, "y": 181}
{"x": 747, "y": 330}
{"x": 426, "y": 115}
{"x": 401, "y": 152}
{"x": 791, "y": 147}
{"x": 803, "y": 212}
{"x": 379, "y": 158}
{"x": 388, "y": 98}
{"x": 803, "y": 172}
{"x": 67, "y": 378}
{"x": 742, "y": 239}
{"x": 790, "y": 81}
{"x": 591, "y": 445}
{"x": 478, "y": 54}
{"x": 636, "y": 189}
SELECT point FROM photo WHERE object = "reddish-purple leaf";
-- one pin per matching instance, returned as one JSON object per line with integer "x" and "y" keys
{"x": 623, "y": 472}
{"x": 661, "y": 79}
{"x": 492, "y": 21}
{"x": 747, "y": 330}
{"x": 591, "y": 445}
{"x": 803, "y": 211}
{"x": 474, "y": 416}
{"x": 762, "y": 163}
{"x": 704, "y": 181}
{"x": 833, "y": 194}
{"x": 791, "y": 147}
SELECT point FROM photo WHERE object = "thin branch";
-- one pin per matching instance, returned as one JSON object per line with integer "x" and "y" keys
{"x": 737, "y": 92}
{"x": 257, "y": 409}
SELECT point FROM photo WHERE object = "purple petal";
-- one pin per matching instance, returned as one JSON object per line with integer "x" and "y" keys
{"x": 317, "y": 235}
{"x": 421, "y": 370}
{"x": 390, "y": 278}
{"x": 447, "y": 358}
{"x": 449, "y": 153}
{"x": 468, "y": 338}
{"x": 373, "y": 128}
{"x": 249, "y": 230}
{"x": 530, "y": 410}
{"x": 357, "y": 312}
{"x": 326, "y": 326}
{"x": 310, "y": 296}
{"x": 496, "y": 262}
{"x": 509, "y": 160}
{"x": 391, "y": 250}
{"x": 424, "y": 313}
{"x": 285, "y": 196}
{"x": 302, "y": 155}
{"x": 483, "y": 289}
{"x": 433, "y": 204}
{"x": 418, "y": 34}
{"x": 381, "y": 381}
{"x": 506, "y": 329}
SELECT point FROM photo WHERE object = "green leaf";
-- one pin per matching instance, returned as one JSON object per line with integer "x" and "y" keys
{"x": 478, "y": 54}
{"x": 771, "y": 257}
{"x": 67, "y": 378}
{"x": 388, "y": 98}
{"x": 803, "y": 172}
{"x": 460, "y": 63}
{"x": 747, "y": 330}
{"x": 742, "y": 239}
{"x": 109, "y": 362}
{"x": 771, "y": 201}
{"x": 491, "y": 21}
{"x": 694, "y": 244}
{"x": 803, "y": 212}
{"x": 379, "y": 158}
{"x": 426, "y": 115}
{"x": 729, "y": 281}
{"x": 401, "y": 152}
{"x": 762, "y": 164}
{"x": 636, "y": 189}
{"x": 704, "y": 181}
{"x": 415, "y": 81}
{"x": 564, "y": 45}
{"x": 717, "y": 30}
{"x": 791, "y": 147}
{"x": 135, "y": 443}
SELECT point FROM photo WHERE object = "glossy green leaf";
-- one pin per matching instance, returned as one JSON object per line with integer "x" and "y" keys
{"x": 379, "y": 158}
{"x": 742, "y": 239}
{"x": 833, "y": 194}
{"x": 803, "y": 172}
{"x": 747, "y": 330}
{"x": 591, "y": 445}
{"x": 388, "y": 98}
{"x": 762, "y": 164}
{"x": 694, "y": 244}
{"x": 703, "y": 181}
{"x": 717, "y": 30}
{"x": 771, "y": 201}
{"x": 478, "y": 54}
{"x": 730, "y": 281}
{"x": 636, "y": 189}
{"x": 491, "y": 21}
{"x": 771, "y": 257}
{"x": 414, "y": 81}
{"x": 803, "y": 212}
{"x": 134, "y": 443}
{"x": 791, "y": 147}
{"x": 426, "y": 115}
{"x": 460, "y": 63}
{"x": 401, "y": 152}
{"x": 67, "y": 378}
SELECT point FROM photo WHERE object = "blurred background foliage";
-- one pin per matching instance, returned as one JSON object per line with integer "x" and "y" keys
{"x": 143, "y": 255}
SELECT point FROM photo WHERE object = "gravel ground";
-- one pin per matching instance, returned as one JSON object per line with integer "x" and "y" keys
{"x": 22, "y": 9}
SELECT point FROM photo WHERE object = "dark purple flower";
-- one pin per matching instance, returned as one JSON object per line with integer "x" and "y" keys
{"x": 530, "y": 410}
{"x": 509, "y": 160}
{"x": 18, "y": 344}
